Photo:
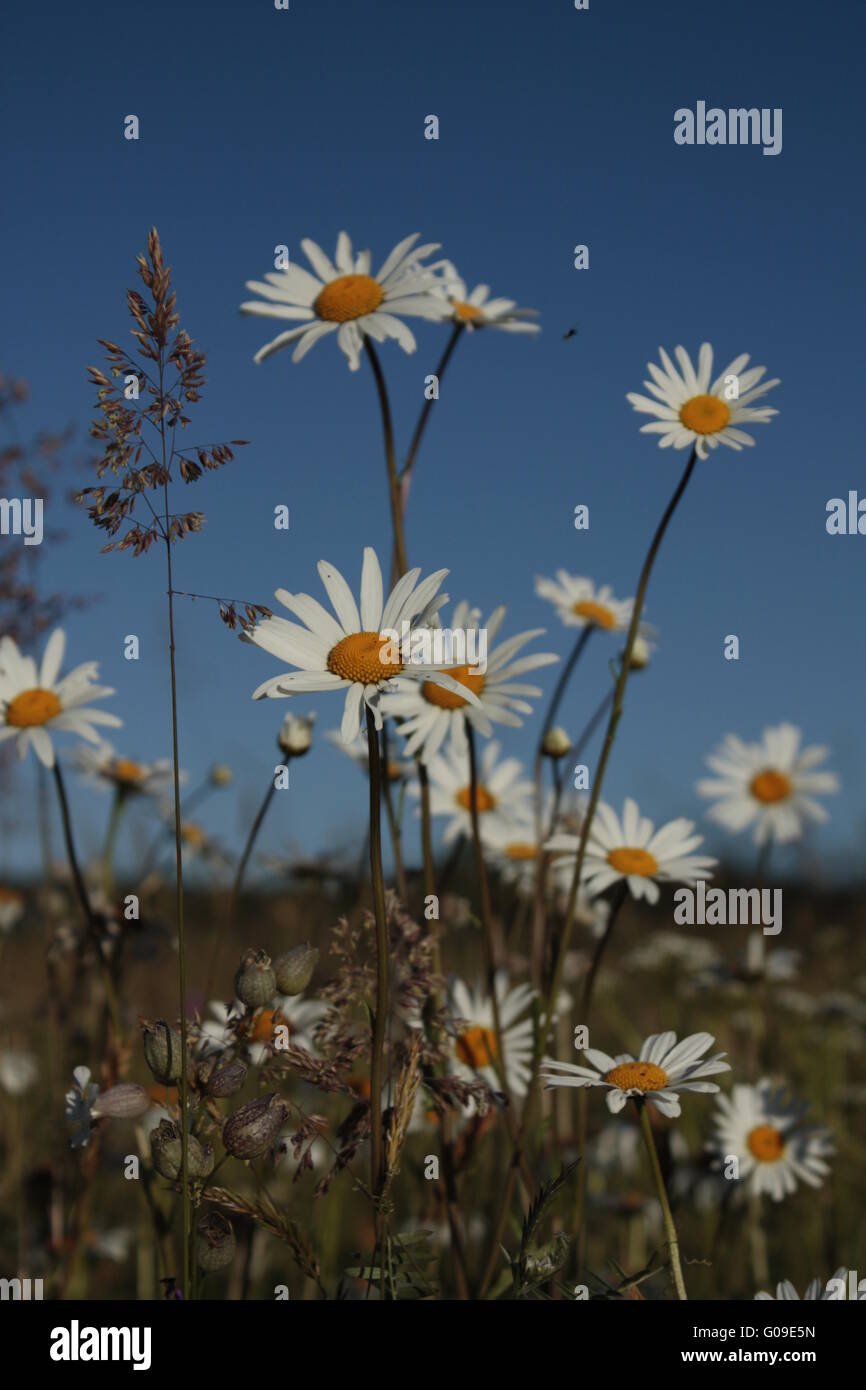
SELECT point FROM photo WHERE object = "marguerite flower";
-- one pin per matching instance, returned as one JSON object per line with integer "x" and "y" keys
{"x": 344, "y": 298}
{"x": 129, "y": 777}
{"x": 475, "y": 1050}
{"x": 661, "y": 1070}
{"x": 503, "y": 796}
{"x": 427, "y": 712}
{"x": 353, "y": 654}
{"x": 836, "y": 1290}
{"x": 34, "y": 702}
{"x": 761, "y": 1128}
{"x": 770, "y": 784}
{"x": 478, "y": 310}
{"x": 690, "y": 408}
{"x": 579, "y": 604}
{"x": 630, "y": 849}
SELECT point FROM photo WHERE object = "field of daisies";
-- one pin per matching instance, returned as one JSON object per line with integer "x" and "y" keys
{"x": 507, "y": 1067}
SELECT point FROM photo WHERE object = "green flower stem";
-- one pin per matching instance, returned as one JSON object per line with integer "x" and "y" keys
{"x": 670, "y": 1228}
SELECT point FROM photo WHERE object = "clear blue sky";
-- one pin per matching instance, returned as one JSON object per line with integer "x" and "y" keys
{"x": 261, "y": 127}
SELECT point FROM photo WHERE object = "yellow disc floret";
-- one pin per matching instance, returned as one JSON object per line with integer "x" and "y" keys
{"x": 477, "y": 1047}
{"x": 633, "y": 861}
{"x": 766, "y": 1144}
{"x": 595, "y": 614}
{"x": 363, "y": 657}
{"x": 769, "y": 786}
{"x": 349, "y": 297}
{"x": 32, "y": 708}
{"x": 449, "y": 699}
{"x": 637, "y": 1076}
{"x": 705, "y": 414}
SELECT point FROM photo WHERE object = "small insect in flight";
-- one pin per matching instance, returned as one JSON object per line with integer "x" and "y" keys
{"x": 570, "y": 334}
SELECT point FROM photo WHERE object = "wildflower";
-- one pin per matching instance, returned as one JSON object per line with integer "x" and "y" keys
{"x": 478, "y": 310}
{"x": 34, "y": 703}
{"x": 11, "y": 908}
{"x": 661, "y": 1070}
{"x": 761, "y": 1127}
{"x": 475, "y": 1047}
{"x": 79, "y": 1107}
{"x": 690, "y": 409}
{"x": 835, "y": 1291}
{"x": 770, "y": 784}
{"x": 398, "y": 769}
{"x": 296, "y": 735}
{"x": 579, "y": 604}
{"x": 503, "y": 797}
{"x": 128, "y": 777}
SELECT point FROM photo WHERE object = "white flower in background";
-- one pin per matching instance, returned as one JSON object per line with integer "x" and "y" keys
{"x": 103, "y": 766}
{"x": 353, "y": 654}
{"x": 691, "y": 408}
{"x": 664, "y": 947}
{"x": 342, "y": 297}
{"x": 398, "y": 769}
{"x": 835, "y": 1291}
{"x": 503, "y": 795}
{"x": 661, "y": 1070}
{"x": 18, "y": 1071}
{"x": 762, "y": 1128}
{"x": 478, "y": 310}
{"x": 291, "y": 1011}
{"x": 475, "y": 1048}
{"x": 79, "y": 1107}
{"x": 219, "y": 1032}
{"x": 579, "y": 604}
{"x": 770, "y": 784}
{"x": 34, "y": 703}
{"x": 632, "y": 850}
{"x": 11, "y": 908}
{"x": 427, "y": 712}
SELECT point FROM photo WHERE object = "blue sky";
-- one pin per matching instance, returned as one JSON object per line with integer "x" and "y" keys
{"x": 261, "y": 127}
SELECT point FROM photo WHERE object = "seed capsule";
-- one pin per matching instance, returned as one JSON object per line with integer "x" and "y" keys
{"x": 167, "y": 1150}
{"x": 225, "y": 1080}
{"x": 123, "y": 1102}
{"x": 294, "y": 969}
{"x": 162, "y": 1051}
{"x": 255, "y": 982}
{"x": 215, "y": 1244}
{"x": 251, "y": 1130}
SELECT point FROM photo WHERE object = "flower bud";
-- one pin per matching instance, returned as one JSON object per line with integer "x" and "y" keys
{"x": 251, "y": 1130}
{"x": 223, "y": 1081}
{"x": 162, "y": 1051}
{"x": 296, "y": 735}
{"x": 556, "y": 743}
{"x": 167, "y": 1150}
{"x": 640, "y": 654}
{"x": 255, "y": 983}
{"x": 124, "y": 1102}
{"x": 215, "y": 1243}
{"x": 294, "y": 969}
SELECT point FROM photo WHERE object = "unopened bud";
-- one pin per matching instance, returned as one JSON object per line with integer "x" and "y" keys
{"x": 162, "y": 1051}
{"x": 296, "y": 735}
{"x": 251, "y": 1130}
{"x": 640, "y": 654}
{"x": 255, "y": 983}
{"x": 294, "y": 969}
{"x": 124, "y": 1102}
{"x": 215, "y": 1244}
{"x": 556, "y": 743}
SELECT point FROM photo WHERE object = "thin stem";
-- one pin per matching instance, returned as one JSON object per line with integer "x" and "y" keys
{"x": 406, "y": 470}
{"x": 117, "y": 807}
{"x": 615, "y": 714}
{"x": 236, "y": 886}
{"x": 490, "y": 953}
{"x": 380, "y": 1018}
{"x": 670, "y": 1228}
{"x": 390, "y": 459}
{"x": 603, "y": 942}
{"x": 393, "y": 822}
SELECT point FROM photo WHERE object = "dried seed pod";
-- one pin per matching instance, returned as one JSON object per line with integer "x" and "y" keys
{"x": 255, "y": 982}
{"x": 123, "y": 1102}
{"x": 294, "y": 969}
{"x": 167, "y": 1150}
{"x": 224, "y": 1080}
{"x": 215, "y": 1244}
{"x": 163, "y": 1051}
{"x": 251, "y": 1130}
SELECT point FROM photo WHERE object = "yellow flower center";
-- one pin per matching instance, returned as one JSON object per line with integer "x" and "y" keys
{"x": 449, "y": 699}
{"x": 705, "y": 414}
{"x": 466, "y": 312}
{"x": 633, "y": 861}
{"x": 32, "y": 707}
{"x": 263, "y": 1028}
{"x": 637, "y": 1076}
{"x": 766, "y": 1144}
{"x": 192, "y": 835}
{"x": 359, "y": 658}
{"x": 769, "y": 786}
{"x": 484, "y": 800}
{"x": 520, "y": 851}
{"x": 125, "y": 770}
{"x": 349, "y": 297}
{"x": 595, "y": 613}
{"x": 477, "y": 1047}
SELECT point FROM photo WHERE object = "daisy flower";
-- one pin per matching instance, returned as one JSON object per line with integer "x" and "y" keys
{"x": 770, "y": 784}
{"x": 344, "y": 298}
{"x": 835, "y": 1292}
{"x": 478, "y": 310}
{"x": 661, "y": 1070}
{"x": 475, "y": 1050}
{"x": 34, "y": 702}
{"x": 427, "y": 712}
{"x": 579, "y": 604}
{"x": 350, "y": 652}
{"x": 103, "y": 765}
{"x": 761, "y": 1127}
{"x": 691, "y": 408}
{"x": 503, "y": 796}
{"x": 631, "y": 850}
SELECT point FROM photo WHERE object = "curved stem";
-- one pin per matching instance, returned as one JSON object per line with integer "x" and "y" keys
{"x": 670, "y": 1227}
{"x": 406, "y": 470}
{"x": 393, "y": 823}
{"x": 390, "y": 459}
